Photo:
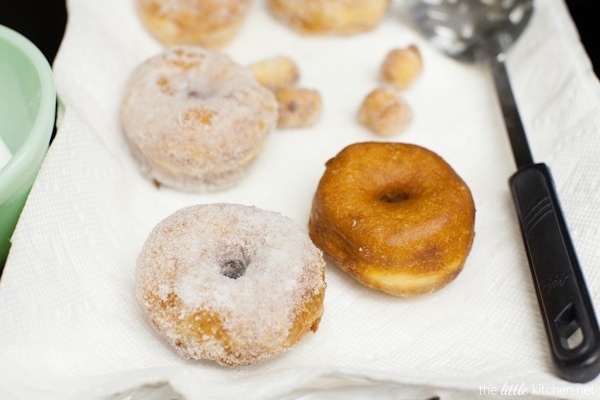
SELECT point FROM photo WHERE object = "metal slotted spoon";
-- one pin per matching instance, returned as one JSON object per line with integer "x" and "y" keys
{"x": 482, "y": 31}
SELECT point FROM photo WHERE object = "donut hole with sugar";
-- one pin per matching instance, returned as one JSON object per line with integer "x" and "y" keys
{"x": 235, "y": 268}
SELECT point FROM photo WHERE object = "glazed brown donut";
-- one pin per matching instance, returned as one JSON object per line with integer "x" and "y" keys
{"x": 341, "y": 17}
{"x": 196, "y": 120}
{"x": 207, "y": 23}
{"x": 394, "y": 216}
{"x": 230, "y": 283}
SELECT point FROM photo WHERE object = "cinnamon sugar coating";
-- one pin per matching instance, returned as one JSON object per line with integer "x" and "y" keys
{"x": 230, "y": 283}
{"x": 195, "y": 120}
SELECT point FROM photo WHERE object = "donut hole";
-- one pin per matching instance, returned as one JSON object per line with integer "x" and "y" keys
{"x": 234, "y": 268}
{"x": 197, "y": 88}
{"x": 201, "y": 94}
{"x": 394, "y": 195}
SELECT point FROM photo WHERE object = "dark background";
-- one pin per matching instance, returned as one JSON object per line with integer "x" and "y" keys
{"x": 586, "y": 16}
{"x": 43, "y": 21}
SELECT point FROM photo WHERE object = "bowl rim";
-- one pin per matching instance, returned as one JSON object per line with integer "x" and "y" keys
{"x": 30, "y": 154}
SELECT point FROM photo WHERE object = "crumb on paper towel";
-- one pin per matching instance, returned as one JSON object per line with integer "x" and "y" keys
{"x": 5, "y": 154}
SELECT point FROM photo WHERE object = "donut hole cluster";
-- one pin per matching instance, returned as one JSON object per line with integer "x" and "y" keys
{"x": 299, "y": 107}
{"x": 384, "y": 111}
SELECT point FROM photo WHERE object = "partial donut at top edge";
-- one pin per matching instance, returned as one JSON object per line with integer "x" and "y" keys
{"x": 330, "y": 17}
{"x": 208, "y": 23}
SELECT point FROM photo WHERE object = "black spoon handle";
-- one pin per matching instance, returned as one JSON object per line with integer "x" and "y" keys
{"x": 564, "y": 301}
{"x": 512, "y": 118}
{"x": 565, "y": 304}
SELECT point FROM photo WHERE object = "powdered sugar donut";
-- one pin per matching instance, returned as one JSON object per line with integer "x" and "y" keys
{"x": 230, "y": 283}
{"x": 195, "y": 120}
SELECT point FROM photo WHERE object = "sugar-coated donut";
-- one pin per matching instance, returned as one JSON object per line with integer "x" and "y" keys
{"x": 230, "y": 283}
{"x": 196, "y": 120}
{"x": 341, "y": 17}
{"x": 207, "y": 23}
{"x": 394, "y": 216}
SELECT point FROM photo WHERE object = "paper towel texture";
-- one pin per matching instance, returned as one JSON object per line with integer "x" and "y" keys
{"x": 70, "y": 325}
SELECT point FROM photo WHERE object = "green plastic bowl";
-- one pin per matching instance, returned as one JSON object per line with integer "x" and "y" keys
{"x": 27, "y": 112}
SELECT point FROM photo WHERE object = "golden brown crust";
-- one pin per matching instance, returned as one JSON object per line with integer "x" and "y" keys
{"x": 342, "y": 17}
{"x": 402, "y": 66}
{"x": 394, "y": 216}
{"x": 191, "y": 330}
{"x": 208, "y": 23}
{"x": 385, "y": 112}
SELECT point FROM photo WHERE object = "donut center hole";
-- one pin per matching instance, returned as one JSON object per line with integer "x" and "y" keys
{"x": 234, "y": 268}
{"x": 394, "y": 195}
{"x": 198, "y": 94}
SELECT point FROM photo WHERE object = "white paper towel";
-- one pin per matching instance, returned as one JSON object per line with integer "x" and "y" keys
{"x": 70, "y": 327}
